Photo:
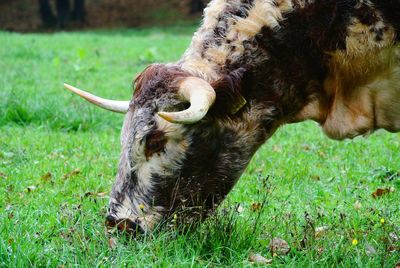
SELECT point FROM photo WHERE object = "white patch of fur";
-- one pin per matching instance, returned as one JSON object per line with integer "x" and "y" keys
{"x": 124, "y": 211}
{"x": 163, "y": 163}
{"x": 196, "y": 64}
{"x": 211, "y": 14}
{"x": 285, "y": 5}
{"x": 263, "y": 13}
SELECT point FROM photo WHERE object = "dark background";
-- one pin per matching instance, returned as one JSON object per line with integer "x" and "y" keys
{"x": 50, "y": 15}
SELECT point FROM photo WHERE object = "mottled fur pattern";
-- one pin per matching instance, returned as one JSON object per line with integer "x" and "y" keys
{"x": 271, "y": 62}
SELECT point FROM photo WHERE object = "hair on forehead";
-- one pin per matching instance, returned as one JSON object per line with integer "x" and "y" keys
{"x": 159, "y": 76}
{"x": 159, "y": 79}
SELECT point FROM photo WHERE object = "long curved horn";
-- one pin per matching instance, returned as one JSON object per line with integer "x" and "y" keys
{"x": 111, "y": 105}
{"x": 201, "y": 96}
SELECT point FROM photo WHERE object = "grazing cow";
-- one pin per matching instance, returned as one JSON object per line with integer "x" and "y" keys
{"x": 192, "y": 126}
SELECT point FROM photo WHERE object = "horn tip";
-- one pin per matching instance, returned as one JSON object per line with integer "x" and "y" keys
{"x": 166, "y": 116}
{"x": 69, "y": 87}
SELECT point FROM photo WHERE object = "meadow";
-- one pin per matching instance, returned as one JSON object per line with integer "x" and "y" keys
{"x": 337, "y": 204}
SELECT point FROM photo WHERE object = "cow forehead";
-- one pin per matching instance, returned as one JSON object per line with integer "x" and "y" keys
{"x": 144, "y": 122}
{"x": 157, "y": 81}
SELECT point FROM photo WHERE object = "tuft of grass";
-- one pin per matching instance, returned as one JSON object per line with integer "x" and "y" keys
{"x": 59, "y": 156}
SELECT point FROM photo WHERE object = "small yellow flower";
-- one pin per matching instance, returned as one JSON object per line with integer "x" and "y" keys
{"x": 141, "y": 206}
{"x": 354, "y": 242}
{"x": 382, "y": 221}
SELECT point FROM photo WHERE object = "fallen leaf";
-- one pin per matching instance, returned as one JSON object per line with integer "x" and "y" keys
{"x": 47, "y": 176}
{"x": 277, "y": 148}
{"x": 316, "y": 177}
{"x": 71, "y": 174}
{"x": 357, "y": 205}
{"x": 306, "y": 147}
{"x": 31, "y": 188}
{"x": 370, "y": 250}
{"x": 112, "y": 243}
{"x": 102, "y": 194}
{"x": 394, "y": 237}
{"x": 239, "y": 209}
{"x": 10, "y": 215}
{"x": 279, "y": 246}
{"x": 257, "y": 258}
{"x": 321, "y": 231}
{"x": 67, "y": 234}
{"x": 256, "y": 206}
{"x": 382, "y": 191}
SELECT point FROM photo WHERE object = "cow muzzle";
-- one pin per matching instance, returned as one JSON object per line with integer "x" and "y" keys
{"x": 127, "y": 226}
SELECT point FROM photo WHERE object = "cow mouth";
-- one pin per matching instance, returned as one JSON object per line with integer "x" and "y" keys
{"x": 127, "y": 226}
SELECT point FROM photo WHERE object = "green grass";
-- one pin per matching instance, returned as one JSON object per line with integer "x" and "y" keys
{"x": 69, "y": 151}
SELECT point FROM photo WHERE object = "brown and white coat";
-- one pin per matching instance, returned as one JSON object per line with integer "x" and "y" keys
{"x": 270, "y": 62}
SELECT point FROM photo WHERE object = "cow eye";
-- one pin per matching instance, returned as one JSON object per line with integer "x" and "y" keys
{"x": 155, "y": 142}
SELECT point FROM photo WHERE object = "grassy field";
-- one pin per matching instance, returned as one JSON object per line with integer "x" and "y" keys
{"x": 58, "y": 160}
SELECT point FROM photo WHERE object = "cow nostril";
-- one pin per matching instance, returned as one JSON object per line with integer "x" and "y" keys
{"x": 111, "y": 222}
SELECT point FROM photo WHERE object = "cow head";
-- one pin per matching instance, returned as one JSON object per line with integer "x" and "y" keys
{"x": 177, "y": 153}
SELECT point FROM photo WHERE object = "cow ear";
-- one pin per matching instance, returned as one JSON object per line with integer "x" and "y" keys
{"x": 228, "y": 90}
